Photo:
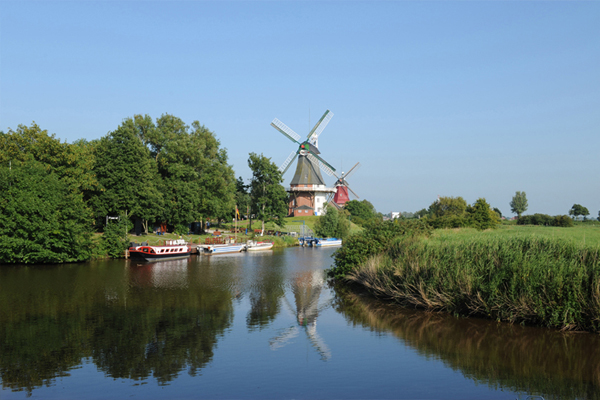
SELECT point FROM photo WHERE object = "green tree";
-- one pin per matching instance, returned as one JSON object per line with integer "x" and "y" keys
{"x": 128, "y": 177}
{"x": 333, "y": 224}
{"x": 578, "y": 210}
{"x": 497, "y": 210}
{"x": 482, "y": 216}
{"x": 268, "y": 196}
{"x": 42, "y": 220}
{"x": 71, "y": 162}
{"x": 518, "y": 204}
{"x": 361, "y": 212}
{"x": 448, "y": 212}
{"x": 114, "y": 240}
{"x": 242, "y": 197}
{"x": 197, "y": 181}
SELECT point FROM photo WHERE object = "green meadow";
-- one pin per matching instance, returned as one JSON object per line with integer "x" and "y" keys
{"x": 586, "y": 234}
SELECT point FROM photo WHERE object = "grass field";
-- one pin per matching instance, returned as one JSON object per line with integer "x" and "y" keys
{"x": 582, "y": 234}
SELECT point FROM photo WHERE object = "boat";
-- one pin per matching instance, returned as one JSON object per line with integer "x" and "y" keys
{"x": 171, "y": 250}
{"x": 253, "y": 245}
{"x": 226, "y": 248}
{"x": 320, "y": 242}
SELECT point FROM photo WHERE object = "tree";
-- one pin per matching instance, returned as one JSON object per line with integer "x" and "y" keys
{"x": 268, "y": 196}
{"x": 448, "y": 212}
{"x": 242, "y": 197}
{"x": 114, "y": 240}
{"x": 361, "y": 212}
{"x": 333, "y": 224}
{"x": 497, "y": 210}
{"x": 518, "y": 204}
{"x": 71, "y": 162}
{"x": 197, "y": 181}
{"x": 482, "y": 216}
{"x": 128, "y": 177}
{"x": 42, "y": 220}
{"x": 578, "y": 210}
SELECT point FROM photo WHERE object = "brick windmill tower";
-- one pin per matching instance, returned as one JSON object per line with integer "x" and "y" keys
{"x": 308, "y": 192}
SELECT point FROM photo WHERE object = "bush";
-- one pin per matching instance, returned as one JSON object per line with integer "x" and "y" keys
{"x": 545, "y": 220}
{"x": 374, "y": 239}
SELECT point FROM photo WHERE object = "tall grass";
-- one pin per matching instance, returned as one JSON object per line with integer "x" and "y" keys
{"x": 533, "y": 280}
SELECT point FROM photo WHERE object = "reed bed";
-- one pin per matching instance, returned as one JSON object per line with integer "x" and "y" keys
{"x": 539, "y": 281}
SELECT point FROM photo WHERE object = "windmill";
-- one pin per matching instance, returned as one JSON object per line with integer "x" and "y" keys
{"x": 342, "y": 187}
{"x": 307, "y": 188}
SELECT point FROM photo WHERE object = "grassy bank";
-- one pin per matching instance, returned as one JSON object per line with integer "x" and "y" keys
{"x": 551, "y": 282}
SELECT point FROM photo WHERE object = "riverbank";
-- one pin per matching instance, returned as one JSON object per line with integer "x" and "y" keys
{"x": 156, "y": 240}
{"x": 543, "y": 281}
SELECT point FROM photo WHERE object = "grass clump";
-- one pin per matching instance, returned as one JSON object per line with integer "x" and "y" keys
{"x": 532, "y": 280}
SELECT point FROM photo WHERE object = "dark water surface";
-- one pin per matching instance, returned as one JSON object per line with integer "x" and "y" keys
{"x": 263, "y": 325}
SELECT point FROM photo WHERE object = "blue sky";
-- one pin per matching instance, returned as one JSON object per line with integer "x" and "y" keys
{"x": 467, "y": 98}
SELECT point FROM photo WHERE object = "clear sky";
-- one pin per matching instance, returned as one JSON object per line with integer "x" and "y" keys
{"x": 467, "y": 98}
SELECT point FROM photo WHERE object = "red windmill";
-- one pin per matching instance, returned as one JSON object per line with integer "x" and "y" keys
{"x": 341, "y": 187}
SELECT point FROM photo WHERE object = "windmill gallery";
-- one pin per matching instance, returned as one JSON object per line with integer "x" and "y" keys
{"x": 308, "y": 193}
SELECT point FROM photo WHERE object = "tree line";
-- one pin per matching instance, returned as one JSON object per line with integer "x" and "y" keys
{"x": 55, "y": 195}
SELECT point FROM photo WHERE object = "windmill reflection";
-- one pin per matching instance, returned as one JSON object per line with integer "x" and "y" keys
{"x": 306, "y": 287}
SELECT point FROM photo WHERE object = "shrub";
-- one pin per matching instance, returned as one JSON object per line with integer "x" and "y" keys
{"x": 374, "y": 239}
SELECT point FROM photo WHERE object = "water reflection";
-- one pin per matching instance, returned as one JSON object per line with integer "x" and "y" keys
{"x": 523, "y": 359}
{"x": 162, "y": 274}
{"x": 132, "y": 321}
{"x": 306, "y": 287}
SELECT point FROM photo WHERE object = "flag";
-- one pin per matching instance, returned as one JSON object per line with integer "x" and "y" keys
{"x": 237, "y": 212}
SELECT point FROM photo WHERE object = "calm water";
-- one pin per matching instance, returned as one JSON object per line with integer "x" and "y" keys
{"x": 265, "y": 325}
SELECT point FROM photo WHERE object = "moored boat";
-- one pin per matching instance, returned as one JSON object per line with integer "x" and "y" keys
{"x": 320, "y": 242}
{"x": 213, "y": 249}
{"x": 171, "y": 250}
{"x": 253, "y": 245}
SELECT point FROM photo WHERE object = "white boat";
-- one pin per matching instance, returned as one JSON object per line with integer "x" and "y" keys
{"x": 213, "y": 249}
{"x": 253, "y": 245}
{"x": 320, "y": 242}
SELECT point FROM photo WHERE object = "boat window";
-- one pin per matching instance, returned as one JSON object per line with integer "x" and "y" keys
{"x": 145, "y": 249}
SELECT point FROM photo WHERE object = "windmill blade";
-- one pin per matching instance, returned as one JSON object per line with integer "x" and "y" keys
{"x": 328, "y": 169}
{"x": 351, "y": 170}
{"x": 352, "y": 192}
{"x": 288, "y": 161}
{"x": 320, "y": 125}
{"x": 287, "y": 131}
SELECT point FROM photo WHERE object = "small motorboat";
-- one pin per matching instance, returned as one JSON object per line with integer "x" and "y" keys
{"x": 319, "y": 242}
{"x": 213, "y": 249}
{"x": 253, "y": 245}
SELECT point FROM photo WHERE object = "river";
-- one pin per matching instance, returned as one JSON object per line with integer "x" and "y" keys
{"x": 261, "y": 326}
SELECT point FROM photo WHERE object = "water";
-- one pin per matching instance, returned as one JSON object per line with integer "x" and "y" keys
{"x": 264, "y": 325}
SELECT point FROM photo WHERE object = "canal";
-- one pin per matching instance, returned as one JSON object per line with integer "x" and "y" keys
{"x": 261, "y": 326}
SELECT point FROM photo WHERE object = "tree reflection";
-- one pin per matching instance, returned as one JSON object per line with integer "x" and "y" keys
{"x": 147, "y": 325}
{"x": 306, "y": 287}
{"x": 532, "y": 360}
